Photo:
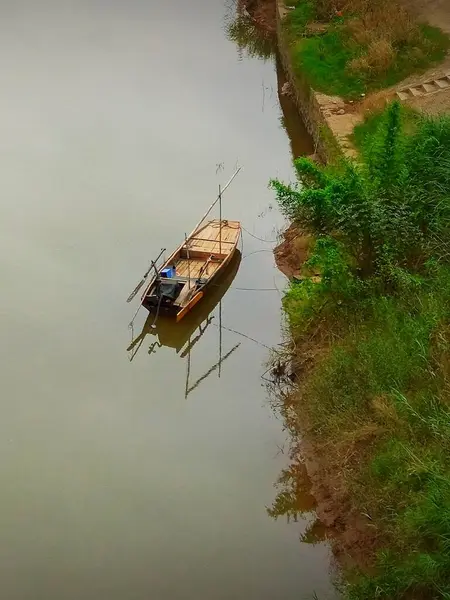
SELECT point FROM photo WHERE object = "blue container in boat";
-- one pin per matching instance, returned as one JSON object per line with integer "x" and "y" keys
{"x": 168, "y": 272}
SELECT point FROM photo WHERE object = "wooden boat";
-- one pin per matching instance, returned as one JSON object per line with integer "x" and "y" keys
{"x": 183, "y": 279}
{"x": 184, "y": 335}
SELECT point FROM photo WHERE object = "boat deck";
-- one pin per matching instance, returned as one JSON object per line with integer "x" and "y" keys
{"x": 191, "y": 268}
{"x": 206, "y": 240}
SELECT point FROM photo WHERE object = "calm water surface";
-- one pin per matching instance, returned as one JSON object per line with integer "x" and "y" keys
{"x": 118, "y": 121}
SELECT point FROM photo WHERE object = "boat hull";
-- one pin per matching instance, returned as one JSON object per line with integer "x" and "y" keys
{"x": 209, "y": 248}
{"x": 178, "y": 314}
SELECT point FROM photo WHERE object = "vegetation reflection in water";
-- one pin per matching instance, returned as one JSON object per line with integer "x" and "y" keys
{"x": 294, "y": 499}
{"x": 243, "y": 31}
{"x": 183, "y": 336}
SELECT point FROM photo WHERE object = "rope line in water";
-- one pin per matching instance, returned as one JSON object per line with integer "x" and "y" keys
{"x": 256, "y": 252}
{"x": 243, "y": 289}
{"x": 244, "y": 335}
{"x": 258, "y": 238}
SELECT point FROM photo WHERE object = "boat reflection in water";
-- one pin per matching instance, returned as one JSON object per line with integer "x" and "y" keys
{"x": 184, "y": 335}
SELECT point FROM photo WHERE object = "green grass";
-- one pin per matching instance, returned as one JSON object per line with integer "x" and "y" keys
{"x": 364, "y": 133}
{"x": 387, "y": 350}
{"x": 377, "y": 392}
{"x": 324, "y": 59}
{"x": 296, "y": 20}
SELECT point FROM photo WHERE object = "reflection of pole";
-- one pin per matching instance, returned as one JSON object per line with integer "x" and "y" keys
{"x": 213, "y": 368}
{"x": 220, "y": 337}
{"x": 220, "y": 221}
{"x": 190, "y": 344}
{"x": 133, "y": 349}
{"x": 188, "y": 372}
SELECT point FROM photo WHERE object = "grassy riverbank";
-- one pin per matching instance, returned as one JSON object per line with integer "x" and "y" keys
{"x": 372, "y": 343}
{"x": 354, "y": 46}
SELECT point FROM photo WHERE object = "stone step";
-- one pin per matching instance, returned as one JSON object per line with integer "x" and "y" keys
{"x": 404, "y": 95}
{"x": 423, "y": 89}
{"x": 442, "y": 83}
{"x": 430, "y": 86}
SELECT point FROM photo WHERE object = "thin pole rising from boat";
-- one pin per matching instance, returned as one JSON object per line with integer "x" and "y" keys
{"x": 220, "y": 221}
{"x": 216, "y": 200}
{"x": 188, "y": 260}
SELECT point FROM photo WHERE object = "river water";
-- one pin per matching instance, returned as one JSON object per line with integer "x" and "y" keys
{"x": 118, "y": 121}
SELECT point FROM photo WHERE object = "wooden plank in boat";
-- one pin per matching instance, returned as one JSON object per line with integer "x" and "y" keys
{"x": 208, "y": 240}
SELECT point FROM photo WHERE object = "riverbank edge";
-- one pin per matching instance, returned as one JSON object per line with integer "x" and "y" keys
{"x": 346, "y": 530}
{"x": 352, "y": 535}
{"x": 353, "y": 544}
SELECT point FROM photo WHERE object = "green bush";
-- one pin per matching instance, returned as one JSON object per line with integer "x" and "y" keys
{"x": 392, "y": 213}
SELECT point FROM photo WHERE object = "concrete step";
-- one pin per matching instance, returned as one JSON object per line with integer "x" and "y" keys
{"x": 442, "y": 83}
{"x": 404, "y": 95}
{"x": 432, "y": 86}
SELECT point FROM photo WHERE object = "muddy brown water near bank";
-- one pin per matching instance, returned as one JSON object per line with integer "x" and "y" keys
{"x": 299, "y": 138}
{"x": 118, "y": 121}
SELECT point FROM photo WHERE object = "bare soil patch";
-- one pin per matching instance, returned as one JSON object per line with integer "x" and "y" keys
{"x": 292, "y": 252}
{"x": 353, "y": 539}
